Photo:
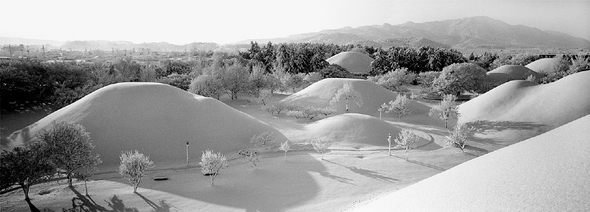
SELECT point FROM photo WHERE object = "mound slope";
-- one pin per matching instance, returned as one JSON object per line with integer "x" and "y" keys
{"x": 507, "y": 73}
{"x": 544, "y": 65}
{"x": 525, "y": 103}
{"x": 352, "y": 128}
{"x": 320, "y": 93}
{"x": 354, "y": 62}
{"x": 532, "y": 175}
{"x": 155, "y": 119}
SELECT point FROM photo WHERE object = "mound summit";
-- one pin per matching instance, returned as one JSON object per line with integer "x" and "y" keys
{"x": 352, "y": 61}
{"x": 156, "y": 119}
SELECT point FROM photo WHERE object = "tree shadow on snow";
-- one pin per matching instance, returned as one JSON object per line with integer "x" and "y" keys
{"x": 162, "y": 207}
{"x": 275, "y": 185}
{"x": 366, "y": 172}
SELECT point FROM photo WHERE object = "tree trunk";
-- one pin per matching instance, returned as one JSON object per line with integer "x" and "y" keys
{"x": 70, "y": 180}
{"x": 212, "y": 178}
{"x": 28, "y": 200}
{"x": 285, "y": 155}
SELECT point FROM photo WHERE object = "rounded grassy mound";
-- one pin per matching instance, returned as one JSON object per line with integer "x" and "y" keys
{"x": 354, "y": 62}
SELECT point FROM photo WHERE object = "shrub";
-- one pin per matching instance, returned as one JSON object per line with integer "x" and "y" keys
{"x": 320, "y": 145}
{"x": 25, "y": 166}
{"x": 212, "y": 163}
{"x": 444, "y": 109}
{"x": 579, "y": 63}
{"x": 425, "y": 79}
{"x": 348, "y": 96}
{"x": 459, "y": 77}
{"x": 133, "y": 167}
{"x": 277, "y": 107}
{"x": 309, "y": 112}
{"x": 206, "y": 85}
{"x": 285, "y": 147}
{"x": 181, "y": 81}
{"x": 458, "y": 137}
{"x": 262, "y": 139}
{"x": 393, "y": 79}
{"x": 70, "y": 148}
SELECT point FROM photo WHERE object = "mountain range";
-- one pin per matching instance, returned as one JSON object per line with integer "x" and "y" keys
{"x": 464, "y": 33}
{"x": 478, "y": 32}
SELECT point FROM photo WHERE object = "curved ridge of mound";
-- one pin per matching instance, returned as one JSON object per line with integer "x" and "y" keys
{"x": 544, "y": 65}
{"x": 352, "y": 128}
{"x": 507, "y": 73}
{"x": 532, "y": 175}
{"x": 156, "y": 119}
{"x": 372, "y": 95}
{"x": 352, "y": 61}
{"x": 525, "y": 105}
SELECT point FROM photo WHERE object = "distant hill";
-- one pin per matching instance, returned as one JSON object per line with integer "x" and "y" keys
{"x": 26, "y": 41}
{"x": 464, "y": 33}
{"x": 154, "y": 46}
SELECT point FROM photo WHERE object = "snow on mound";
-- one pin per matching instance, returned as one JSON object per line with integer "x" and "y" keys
{"x": 545, "y": 173}
{"x": 352, "y": 128}
{"x": 156, "y": 119}
{"x": 507, "y": 73}
{"x": 354, "y": 62}
{"x": 372, "y": 95}
{"x": 544, "y": 65}
{"x": 551, "y": 105}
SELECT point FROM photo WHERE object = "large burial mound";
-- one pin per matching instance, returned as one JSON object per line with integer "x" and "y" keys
{"x": 354, "y": 62}
{"x": 155, "y": 119}
{"x": 507, "y": 73}
{"x": 524, "y": 105}
{"x": 544, "y": 65}
{"x": 545, "y": 173}
{"x": 353, "y": 130}
{"x": 372, "y": 95}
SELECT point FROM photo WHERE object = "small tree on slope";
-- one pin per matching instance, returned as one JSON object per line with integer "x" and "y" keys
{"x": 458, "y": 137}
{"x": 444, "y": 109}
{"x": 399, "y": 106}
{"x": 320, "y": 146}
{"x": 406, "y": 139}
{"x": 212, "y": 163}
{"x": 25, "y": 166}
{"x": 285, "y": 147}
{"x": 347, "y": 95}
{"x": 133, "y": 167}
{"x": 70, "y": 148}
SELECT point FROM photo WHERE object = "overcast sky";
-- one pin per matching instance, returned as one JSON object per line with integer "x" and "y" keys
{"x": 226, "y": 21}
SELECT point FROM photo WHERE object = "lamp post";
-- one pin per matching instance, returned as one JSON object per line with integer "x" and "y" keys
{"x": 187, "y": 147}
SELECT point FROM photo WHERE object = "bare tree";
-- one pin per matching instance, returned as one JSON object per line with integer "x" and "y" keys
{"x": 348, "y": 96}
{"x": 444, "y": 109}
{"x": 212, "y": 163}
{"x": 133, "y": 167}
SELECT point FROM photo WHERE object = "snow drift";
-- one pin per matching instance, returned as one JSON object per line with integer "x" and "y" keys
{"x": 156, "y": 119}
{"x": 354, "y": 62}
{"x": 545, "y": 173}
{"x": 507, "y": 73}
{"x": 372, "y": 95}
{"x": 544, "y": 65}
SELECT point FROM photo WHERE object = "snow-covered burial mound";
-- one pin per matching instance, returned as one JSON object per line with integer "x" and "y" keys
{"x": 372, "y": 96}
{"x": 507, "y": 73}
{"x": 522, "y": 103}
{"x": 544, "y": 65}
{"x": 545, "y": 173}
{"x": 354, "y": 130}
{"x": 354, "y": 62}
{"x": 156, "y": 119}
